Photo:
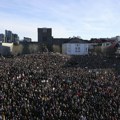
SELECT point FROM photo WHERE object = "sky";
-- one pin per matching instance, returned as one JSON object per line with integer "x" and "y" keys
{"x": 67, "y": 18}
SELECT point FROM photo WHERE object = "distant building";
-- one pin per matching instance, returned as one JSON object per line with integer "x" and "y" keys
{"x": 15, "y": 38}
{"x": 11, "y": 37}
{"x": 45, "y": 38}
{"x": 27, "y": 39}
{"x": 6, "y": 49}
{"x": 45, "y": 35}
{"x": 117, "y": 38}
{"x": 2, "y": 38}
{"x": 8, "y": 36}
{"x": 60, "y": 41}
{"x": 75, "y": 48}
{"x": 118, "y": 50}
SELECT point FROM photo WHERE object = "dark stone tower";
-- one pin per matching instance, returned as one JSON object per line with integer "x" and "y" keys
{"x": 44, "y": 35}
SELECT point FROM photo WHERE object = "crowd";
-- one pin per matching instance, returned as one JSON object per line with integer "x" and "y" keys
{"x": 51, "y": 86}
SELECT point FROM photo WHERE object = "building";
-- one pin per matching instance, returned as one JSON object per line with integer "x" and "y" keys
{"x": 45, "y": 35}
{"x": 118, "y": 48}
{"x": 2, "y": 37}
{"x": 8, "y": 36}
{"x": 27, "y": 39}
{"x": 53, "y": 44}
{"x": 6, "y": 49}
{"x": 11, "y": 37}
{"x": 75, "y": 48}
{"x": 15, "y": 38}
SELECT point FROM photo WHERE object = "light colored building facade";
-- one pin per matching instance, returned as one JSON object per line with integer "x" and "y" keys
{"x": 75, "y": 48}
{"x": 6, "y": 48}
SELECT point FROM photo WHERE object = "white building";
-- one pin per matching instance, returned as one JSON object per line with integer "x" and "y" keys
{"x": 6, "y": 48}
{"x": 75, "y": 48}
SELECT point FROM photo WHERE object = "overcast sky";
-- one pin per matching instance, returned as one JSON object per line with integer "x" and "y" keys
{"x": 67, "y": 18}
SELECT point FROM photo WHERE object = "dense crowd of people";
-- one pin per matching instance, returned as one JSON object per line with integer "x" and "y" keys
{"x": 51, "y": 86}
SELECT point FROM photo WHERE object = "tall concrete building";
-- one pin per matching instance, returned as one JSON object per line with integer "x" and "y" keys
{"x": 45, "y": 35}
{"x": 2, "y": 38}
{"x": 15, "y": 38}
{"x": 11, "y": 37}
{"x": 8, "y": 36}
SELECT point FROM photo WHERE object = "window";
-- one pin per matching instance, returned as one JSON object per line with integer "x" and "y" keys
{"x": 77, "y": 49}
{"x": 77, "y": 45}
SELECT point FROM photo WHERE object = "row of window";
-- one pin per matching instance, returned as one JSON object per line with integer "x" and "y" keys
{"x": 77, "y": 49}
